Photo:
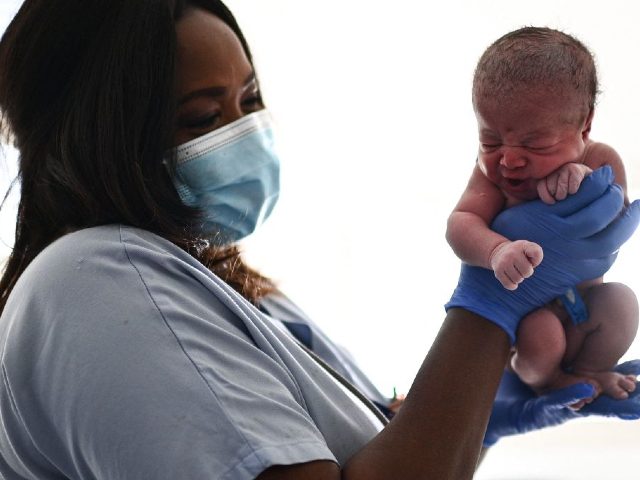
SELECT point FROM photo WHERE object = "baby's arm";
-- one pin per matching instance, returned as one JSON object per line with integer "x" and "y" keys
{"x": 475, "y": 243}
{"x": 567, "y": 179}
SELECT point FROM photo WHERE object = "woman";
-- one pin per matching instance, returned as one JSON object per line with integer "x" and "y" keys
{"x": 131, "y": 342}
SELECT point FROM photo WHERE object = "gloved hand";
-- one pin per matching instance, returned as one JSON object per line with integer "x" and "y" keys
{"x": 606, "y": 406}
{"x": 517, "y": 409}
{"x": 580, "y": 237}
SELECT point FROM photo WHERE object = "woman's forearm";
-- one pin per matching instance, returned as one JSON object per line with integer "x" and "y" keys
{"x": 483, "y": 453}
{"x": 439, "y": 430}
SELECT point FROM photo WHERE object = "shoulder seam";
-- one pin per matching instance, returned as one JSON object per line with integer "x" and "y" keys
{"x": 177, "y": 339}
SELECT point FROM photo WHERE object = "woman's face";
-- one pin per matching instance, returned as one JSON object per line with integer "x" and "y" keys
{"x": 216, "y": 83}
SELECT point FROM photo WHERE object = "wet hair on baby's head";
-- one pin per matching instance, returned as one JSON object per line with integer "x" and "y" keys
{"x": 537, "y": 57}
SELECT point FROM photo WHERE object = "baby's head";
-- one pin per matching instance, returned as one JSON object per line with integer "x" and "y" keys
{"x": 534, "y": 60}
{"x": 534, "y": 91}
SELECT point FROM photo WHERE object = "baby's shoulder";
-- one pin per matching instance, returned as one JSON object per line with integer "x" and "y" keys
{"x": 598, "y": 154}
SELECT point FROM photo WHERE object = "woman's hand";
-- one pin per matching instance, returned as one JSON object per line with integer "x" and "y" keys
{"x": 580, "y": 237}
{"x": 517, "y": 409}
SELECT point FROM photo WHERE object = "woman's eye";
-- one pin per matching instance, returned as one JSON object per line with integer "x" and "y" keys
{"x": 202, "y": 122}
{"x": 253, "y": 102}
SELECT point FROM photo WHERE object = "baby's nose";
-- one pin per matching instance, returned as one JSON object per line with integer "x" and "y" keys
{"x": 511, "y": 158}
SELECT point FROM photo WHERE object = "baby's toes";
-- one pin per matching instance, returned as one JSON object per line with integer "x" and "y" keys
{"x": 620, "y": 389}
{"x": 628, "y": 383}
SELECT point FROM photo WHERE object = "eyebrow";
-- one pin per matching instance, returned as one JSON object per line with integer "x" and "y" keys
{"x": 529, "y": 137}
{"x": 212, "y": 91}
{"x": 488, "y": 133}
{"x": 537, "y": 135}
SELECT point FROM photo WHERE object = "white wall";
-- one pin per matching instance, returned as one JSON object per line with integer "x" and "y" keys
{"x": 378, "y": 136}
{"x": 372, "y": 101}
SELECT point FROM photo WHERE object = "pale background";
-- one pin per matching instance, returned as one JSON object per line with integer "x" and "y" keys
{"x": 377, "y": 135}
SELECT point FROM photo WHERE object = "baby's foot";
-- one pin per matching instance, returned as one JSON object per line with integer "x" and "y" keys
{"x": 614, "y": 384}
{"x": 563, "y": 379}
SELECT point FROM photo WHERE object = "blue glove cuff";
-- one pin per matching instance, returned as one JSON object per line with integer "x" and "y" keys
{"x": 493, "y": 312}
{"x": 492, "y": 304}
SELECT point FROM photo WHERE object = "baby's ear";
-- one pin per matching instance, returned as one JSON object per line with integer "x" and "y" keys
{"x": 586, "y": 126}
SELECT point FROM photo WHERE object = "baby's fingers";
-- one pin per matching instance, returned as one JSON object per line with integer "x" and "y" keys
{"x": 522, "y": 269}
{"x": 575, "y": 180}
{"x": 523, "y": 265}
{"x": 507, "y": 278}
{"x": 562, "y": 183}
{"x": 589, "y": 193}
{"x": 544, "y": 193}
{"x": 534, "y": 253}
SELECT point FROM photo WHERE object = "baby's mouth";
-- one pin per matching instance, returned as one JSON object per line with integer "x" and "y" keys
{"x": 514, "y": 182}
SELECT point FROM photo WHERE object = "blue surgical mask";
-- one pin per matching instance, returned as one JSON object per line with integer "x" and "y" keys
{"x": 232, "y": 175}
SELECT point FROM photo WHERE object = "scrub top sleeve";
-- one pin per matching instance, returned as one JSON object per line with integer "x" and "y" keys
{"x": 141, "y": 373}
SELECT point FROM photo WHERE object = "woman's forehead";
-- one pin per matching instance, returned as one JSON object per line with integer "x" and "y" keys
{"x": 207, "y": 48}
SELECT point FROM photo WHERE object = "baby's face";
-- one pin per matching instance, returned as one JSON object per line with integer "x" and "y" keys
{"x": 525, "y": 139}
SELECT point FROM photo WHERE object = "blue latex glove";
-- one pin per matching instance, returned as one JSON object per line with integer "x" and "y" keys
{"x": 517, "y": 409}
{"x": 580, "y": 237}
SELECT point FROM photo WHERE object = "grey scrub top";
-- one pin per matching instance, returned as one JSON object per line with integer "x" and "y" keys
{"x": 125, "y": 358}
{"x": 280, "y": 308}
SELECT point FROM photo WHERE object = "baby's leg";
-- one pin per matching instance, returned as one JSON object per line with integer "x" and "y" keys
{"x": 540, "y": 350}
{"x": 594, "y": 347}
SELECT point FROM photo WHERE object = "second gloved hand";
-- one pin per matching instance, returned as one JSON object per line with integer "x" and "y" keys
{"x": 517, "y": 409}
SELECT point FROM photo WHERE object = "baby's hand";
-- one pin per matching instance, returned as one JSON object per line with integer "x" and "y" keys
{"x": 512, "y": 262}
{"x": 564, "y": 181}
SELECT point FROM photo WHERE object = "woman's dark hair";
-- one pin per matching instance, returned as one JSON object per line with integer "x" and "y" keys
{"x": 87, "y": 95}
